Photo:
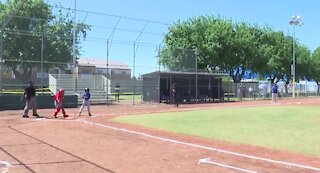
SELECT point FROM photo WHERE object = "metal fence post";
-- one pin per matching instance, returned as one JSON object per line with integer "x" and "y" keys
{"x": 196, "y": 58}
{"x": 108, "y": 72}
{"x": 229, "y": 90}
{"x": 159, "y": 76}
{"x": 1, "y": 62}
{"x": 74, "y": 56}
{"x": 133, "y": 72}
{"x": 42, "y": 49}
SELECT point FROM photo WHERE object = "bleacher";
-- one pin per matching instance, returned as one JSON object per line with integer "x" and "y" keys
{"x": 74, "y": 85}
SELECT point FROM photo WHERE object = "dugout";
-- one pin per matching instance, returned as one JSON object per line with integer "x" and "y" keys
{"x": 191, "y": 87}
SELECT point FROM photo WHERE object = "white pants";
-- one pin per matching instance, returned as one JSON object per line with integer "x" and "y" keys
{"x": 274, "y": 97}
{"x": 85, "y": 102}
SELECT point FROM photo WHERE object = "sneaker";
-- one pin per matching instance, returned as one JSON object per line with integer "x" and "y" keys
{"x": 65, "y": 116}
{"x": 90, "y": 114}
{"x": 25, "y": 116}
{"x": 55, "y": 116}
{"x": 36, "y": 115}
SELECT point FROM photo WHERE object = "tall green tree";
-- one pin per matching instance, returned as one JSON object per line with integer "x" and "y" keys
{"x": 303, "y": 64}
{"x": 314, "y": 67}
{"x": 200, "y": 35}
{"x": 234, "y": 47}
{"x": 246, "y": 50}
{"x": 218, "y": 42}
{"x": 31, "y": 23}
{"x": 279, "y": 53}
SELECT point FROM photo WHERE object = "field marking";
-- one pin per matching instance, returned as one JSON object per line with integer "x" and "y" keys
{"x": 143, "y": 106}
{"x": 5, "y": 166}
{"x": 61, "y": 119}
{"x": 202, "y": 147}
{"x": 209, "y": 161}
{"x": 95, "y": 116}
{"x": 55, "y": 119}
{"x": 52, "y": 146}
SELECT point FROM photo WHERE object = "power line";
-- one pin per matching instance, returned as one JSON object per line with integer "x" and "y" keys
{"x": 120, "y": 42}
{"x": 111, "y": 15}
{"x": 94, "y": 26}
{"x": 34, "y": 61}
{"x": 36, "y": 34}
{"x": 89, "y": 39}
{"x": 128, "y": 30}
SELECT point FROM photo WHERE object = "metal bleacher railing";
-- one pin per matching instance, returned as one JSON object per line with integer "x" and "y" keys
{"x": 99, "y": 86}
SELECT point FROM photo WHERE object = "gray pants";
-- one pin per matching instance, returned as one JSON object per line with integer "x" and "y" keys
{"x": 85, "y": 102}
{"x": 30, "y": 103}
{"x": 274, "y": 97}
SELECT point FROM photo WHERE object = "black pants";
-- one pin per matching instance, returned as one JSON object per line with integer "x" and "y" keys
{"x": 174, "y": 99}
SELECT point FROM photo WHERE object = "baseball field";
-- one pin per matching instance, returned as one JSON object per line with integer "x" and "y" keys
{"x": 248, "y": 136}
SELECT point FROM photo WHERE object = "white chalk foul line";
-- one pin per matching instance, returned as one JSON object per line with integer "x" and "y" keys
{"x": 202, "y": 147}
{"x": 4, "y": 166}
{"x": 55, "y": 119}
{"x": 209, "y": 161}
{"x": 94, "y": 116}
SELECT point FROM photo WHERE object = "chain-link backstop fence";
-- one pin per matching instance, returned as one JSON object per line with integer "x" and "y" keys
{"x": 119, "y": 62}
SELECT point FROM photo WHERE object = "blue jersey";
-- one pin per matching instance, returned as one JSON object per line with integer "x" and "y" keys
{"x": 275, "y": 89}
{"x": 86, "y": 96}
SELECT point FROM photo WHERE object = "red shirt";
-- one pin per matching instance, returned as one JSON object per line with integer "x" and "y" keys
{"x": 59, "y": 97}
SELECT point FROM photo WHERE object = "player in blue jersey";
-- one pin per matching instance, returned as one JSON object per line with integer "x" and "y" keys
{"x": 86, "y": 101}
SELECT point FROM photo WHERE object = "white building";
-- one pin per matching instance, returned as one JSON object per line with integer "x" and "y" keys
{"x": 115, "y": 69}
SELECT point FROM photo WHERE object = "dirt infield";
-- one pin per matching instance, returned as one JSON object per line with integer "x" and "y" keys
{"x": 95, "y": 144}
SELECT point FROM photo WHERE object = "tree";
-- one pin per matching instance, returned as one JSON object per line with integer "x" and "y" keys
{"x": 279, "y": 53}
{"x": 33, "y": 23}
{"x": 199, "y": 35}
{"x": 303, "y": 63}
{"x": 280, "y": 49}
{"x": 233, "y": 47}
{"x": 245, "y": 50}
{"x": 314, "y": 67}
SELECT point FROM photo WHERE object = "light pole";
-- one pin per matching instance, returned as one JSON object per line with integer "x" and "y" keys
{"x": 74, "y": 55}
{"x": 295, "y": 21}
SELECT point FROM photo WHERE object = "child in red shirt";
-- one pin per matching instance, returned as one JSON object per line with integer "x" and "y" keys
{"x": 58, "y": 101}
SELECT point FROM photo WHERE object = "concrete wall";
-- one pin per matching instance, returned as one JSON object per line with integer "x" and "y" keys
{"x": 13, "y": 102}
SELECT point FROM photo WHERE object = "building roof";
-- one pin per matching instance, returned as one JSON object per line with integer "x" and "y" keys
{"x": 185, "y": 73}
{"x": 99, "y": 63}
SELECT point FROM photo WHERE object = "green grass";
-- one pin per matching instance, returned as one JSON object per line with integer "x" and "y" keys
{"x": 129, "y": 98}
{"x": 288, "y": 128}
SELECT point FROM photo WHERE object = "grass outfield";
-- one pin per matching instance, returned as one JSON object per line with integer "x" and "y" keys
{"x": 289, "y": 128}
{"x": 130, "y": 97}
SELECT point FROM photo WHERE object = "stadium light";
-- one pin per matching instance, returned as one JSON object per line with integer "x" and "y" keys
{"x": 295, "y": 21}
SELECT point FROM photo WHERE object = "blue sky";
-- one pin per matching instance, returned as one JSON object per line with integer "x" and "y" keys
{"x": 275, "y": 13}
